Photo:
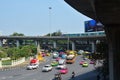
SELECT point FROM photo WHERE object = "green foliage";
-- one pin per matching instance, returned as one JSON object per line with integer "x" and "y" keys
{"x": 33, "y": 50}
{"x": 17, "y": 34}
{"x": 23, "y": 51}
{"x": 3, "y": 54}
{"x": 13, "y": 53}
{"x": 57, "y": 33}
{"x": 6, "y": 62}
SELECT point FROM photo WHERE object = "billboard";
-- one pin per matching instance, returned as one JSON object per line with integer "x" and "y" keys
{"x": 93, "y": 26}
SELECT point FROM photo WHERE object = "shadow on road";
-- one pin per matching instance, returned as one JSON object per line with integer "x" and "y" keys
{"x": 92, "y": 75}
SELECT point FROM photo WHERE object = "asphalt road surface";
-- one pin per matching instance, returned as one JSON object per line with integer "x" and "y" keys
{"x": 87, "y": 73}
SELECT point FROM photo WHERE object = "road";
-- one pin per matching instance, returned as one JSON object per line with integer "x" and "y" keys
{"x": 37, "y": 74}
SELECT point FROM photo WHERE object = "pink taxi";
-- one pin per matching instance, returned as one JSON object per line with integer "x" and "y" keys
{"x": 63, "y": 70}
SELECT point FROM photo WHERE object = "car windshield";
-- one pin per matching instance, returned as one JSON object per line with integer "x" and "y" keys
{"x": 60, "y": 64}
{"x": 32, "y": 64}
{"x": 63, "y": 68}
{"x": 47, "y": 66}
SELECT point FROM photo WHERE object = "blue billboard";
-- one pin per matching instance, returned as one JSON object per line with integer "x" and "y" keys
{"x": 93, "y": 26}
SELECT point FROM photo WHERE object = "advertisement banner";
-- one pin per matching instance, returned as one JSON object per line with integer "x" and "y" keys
{"x": 93, "y": 26}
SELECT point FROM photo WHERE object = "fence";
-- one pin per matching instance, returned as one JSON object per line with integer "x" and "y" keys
{"x": 12, "y": 62}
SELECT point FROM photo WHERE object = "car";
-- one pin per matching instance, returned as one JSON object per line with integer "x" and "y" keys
{"x": 60, "y": 66}
{"x": 81, "y": 62}
{"x": 63, "y": 56}
{"x": 55, "y": 54}
{"x": 80, "y": 52}
{"x": 63, "y": 70}
{"x": 61, "y": 61}
{"x": 32, "y": 66}
{"x": 58, "y": 58}
{"x": 47, "y": 68}
{"x": 54, "y": 63}
{"x": 85, "y": 64}
{"x": 92, "y": 62}
{"x": 43, "y": 54}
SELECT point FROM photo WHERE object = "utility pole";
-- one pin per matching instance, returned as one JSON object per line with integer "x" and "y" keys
{"x": 50, "y": 19}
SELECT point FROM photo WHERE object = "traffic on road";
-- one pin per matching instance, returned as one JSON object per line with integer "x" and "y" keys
{"x": 55, "y": 67}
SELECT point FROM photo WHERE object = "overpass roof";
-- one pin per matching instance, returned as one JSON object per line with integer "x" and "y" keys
{"x": 106, "y": 11}
{"x": 82, "y": 6}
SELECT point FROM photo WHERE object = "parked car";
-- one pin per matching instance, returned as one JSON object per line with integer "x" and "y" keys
{"x": 85, "y": 64}
{"x": 63, "y": 70}
{"x": 47, "y": 68}
{"x": 32, "y": 66}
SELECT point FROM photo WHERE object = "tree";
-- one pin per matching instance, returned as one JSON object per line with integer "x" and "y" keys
{"x": 17, "y": 34}
{"x": 3, "y": 54}
{"x": 13, "y": 53}
{"x": 57, "y": 33}
{"x": 26, "y": 51}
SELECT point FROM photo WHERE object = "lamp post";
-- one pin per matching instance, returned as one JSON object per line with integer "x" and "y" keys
{"x": 50, "y": 19}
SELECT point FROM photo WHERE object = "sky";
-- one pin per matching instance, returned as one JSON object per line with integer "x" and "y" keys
{"x": 34, "y": 18}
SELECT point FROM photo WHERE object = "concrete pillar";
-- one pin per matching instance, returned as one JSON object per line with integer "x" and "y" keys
{"x": 54, "y": 44}
{"x": 1, "y": 43}
{"x": 112, "y": 34}
{"x": 36, "y": 42}
{"x": 17, "y": 43}
{"x": 73, "y": 45}
{"x": 38, "y": 47}
{"x": 24, "y": 42}
{"x": 93, "y": 46}
{"x": 68, "y": 43}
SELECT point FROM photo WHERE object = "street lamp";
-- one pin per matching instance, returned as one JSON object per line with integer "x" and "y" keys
{"x": 50, "y": 19}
